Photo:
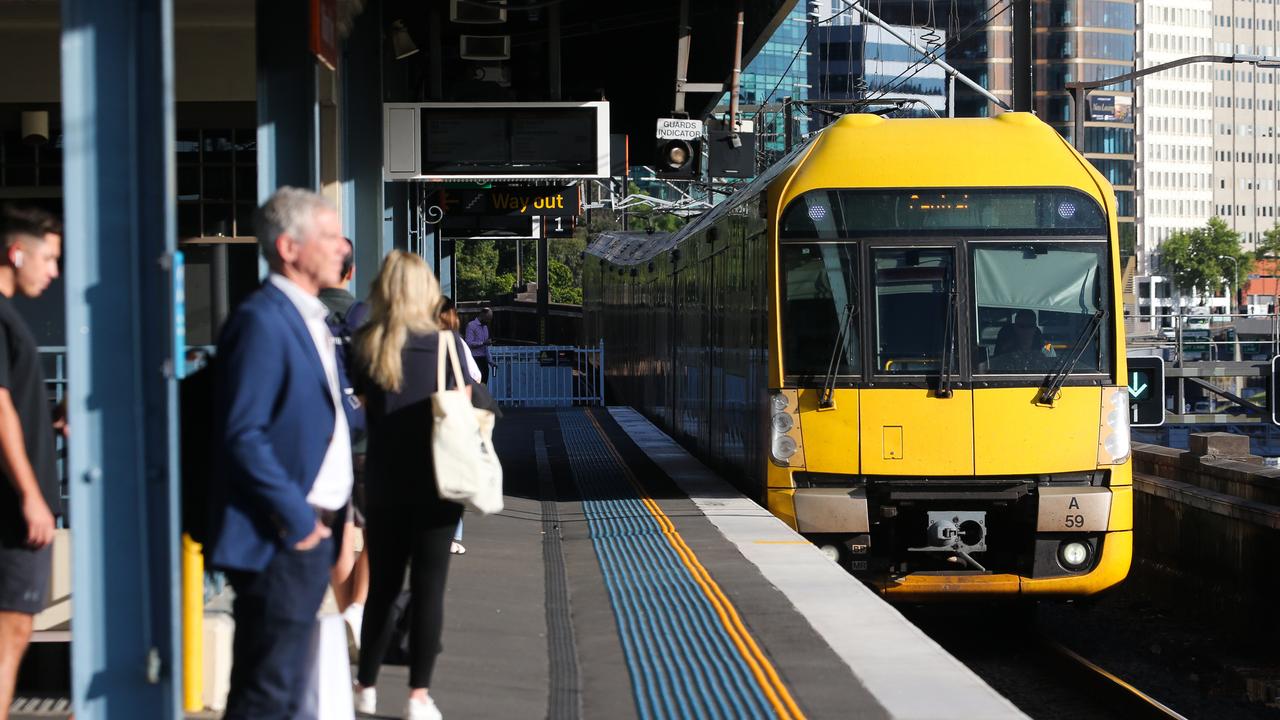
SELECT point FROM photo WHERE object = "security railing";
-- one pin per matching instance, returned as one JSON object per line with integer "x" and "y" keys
{"x": 1216, "y": 365}
{"x": 1186, "y": 338}
{"x": 547, "y": 375}
{"x": 53, "y": 364}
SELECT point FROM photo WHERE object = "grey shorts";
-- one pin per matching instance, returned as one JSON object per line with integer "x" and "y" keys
{"x": 24, "y": 578}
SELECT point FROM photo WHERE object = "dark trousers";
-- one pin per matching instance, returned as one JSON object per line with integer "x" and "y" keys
{"x": 275, "y": 612}
{"x": 419, "y": 537}
{"x": 483, "y": 362}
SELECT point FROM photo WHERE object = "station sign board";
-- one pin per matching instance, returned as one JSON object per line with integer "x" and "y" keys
{"x": 1146, "y": 391}
{"x": 443, "y": 142}
{"x": 679, "y": 129}
{"x": 513, "y": 201}
{"x": 559, "y": 227}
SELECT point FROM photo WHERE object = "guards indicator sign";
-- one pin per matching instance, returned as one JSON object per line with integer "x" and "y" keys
{"x": 1146, "y": 391}
{"x": 679, "y": 129}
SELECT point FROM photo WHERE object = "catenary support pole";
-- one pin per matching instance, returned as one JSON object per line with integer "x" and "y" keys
{"x": 117, "y": 105}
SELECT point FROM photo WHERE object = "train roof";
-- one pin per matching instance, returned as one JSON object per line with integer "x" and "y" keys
{"x": 1009, "y": 150}
{"x": 869, "y": 151}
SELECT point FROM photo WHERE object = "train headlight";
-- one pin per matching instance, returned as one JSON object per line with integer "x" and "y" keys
{"x": 1113, "y": 427}
{"x": 785, "y": 440}
{"x": 784, "y": 447}
{"x": 780, "y": 402}
{"x": 1073, "y": 555}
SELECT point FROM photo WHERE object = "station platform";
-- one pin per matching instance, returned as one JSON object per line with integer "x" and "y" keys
{"x": 626, "y": 580}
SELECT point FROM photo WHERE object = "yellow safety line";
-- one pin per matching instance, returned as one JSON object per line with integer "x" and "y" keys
{"x": 766, "y": 676}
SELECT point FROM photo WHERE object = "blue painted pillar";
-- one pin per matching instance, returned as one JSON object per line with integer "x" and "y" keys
{"x": 117, "y": 104}
{"x": 288, "y": 107}
{"x": 361, "y": 72}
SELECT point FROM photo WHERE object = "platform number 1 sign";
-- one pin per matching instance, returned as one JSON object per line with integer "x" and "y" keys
{"x": 559, "y": 226}
{"x": 1146, "y": 391}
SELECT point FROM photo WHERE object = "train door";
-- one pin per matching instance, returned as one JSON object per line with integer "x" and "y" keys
{"x": 717, "y": 410}
{"x": 681, "y": 374}
{"x": 914, "y": 420}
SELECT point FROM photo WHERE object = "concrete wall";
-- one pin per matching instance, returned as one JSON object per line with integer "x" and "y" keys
{"x": 213, "y": 51}
{"x": 1208, "y": 530}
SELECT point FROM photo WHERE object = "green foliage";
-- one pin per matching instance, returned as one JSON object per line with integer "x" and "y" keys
{"x": 1269, "y": 246}
{"x": 1197, "y": 259}
{"x": 486, "y": 269}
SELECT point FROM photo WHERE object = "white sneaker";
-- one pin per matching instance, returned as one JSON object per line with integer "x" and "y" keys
{"x": 422, "y": 710}
{"x": 366, "y": 699}
{"x": 457, "y": 548}
{"x": 354, "y": 615}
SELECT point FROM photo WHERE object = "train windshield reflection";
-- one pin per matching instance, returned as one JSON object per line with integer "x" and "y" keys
{"x": 819, "y": 281}
{"x": 1033, "y": 302}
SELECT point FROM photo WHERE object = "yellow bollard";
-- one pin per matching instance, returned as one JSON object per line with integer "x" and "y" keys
{"x": 192, "y": 625}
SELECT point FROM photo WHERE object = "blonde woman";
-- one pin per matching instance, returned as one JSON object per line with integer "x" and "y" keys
{"x": 407, "y": 523}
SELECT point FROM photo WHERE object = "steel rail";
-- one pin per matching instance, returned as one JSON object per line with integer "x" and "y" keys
{"x": 1154, "y": 707}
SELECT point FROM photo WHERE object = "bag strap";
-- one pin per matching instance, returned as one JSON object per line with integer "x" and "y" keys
{"x": 449, "y": 347}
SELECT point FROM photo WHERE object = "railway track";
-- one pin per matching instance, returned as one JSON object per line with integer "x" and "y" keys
{"x": 1131, "y": 702}
{"x": 1043, "y": 677}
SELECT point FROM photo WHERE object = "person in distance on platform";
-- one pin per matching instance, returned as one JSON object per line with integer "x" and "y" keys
{"x": 32, "y": 244}
{"x": 283, "y": 480}
{"x": 449, "y": 320}
{"x": 479, "y": 341}
{"x": 408, "y": 523}
{"x": 350, "y": 576}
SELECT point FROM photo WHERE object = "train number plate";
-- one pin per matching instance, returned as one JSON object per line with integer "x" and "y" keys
{"x": 1073, "y": 509}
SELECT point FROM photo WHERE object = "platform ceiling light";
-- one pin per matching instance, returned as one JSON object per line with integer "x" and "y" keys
{"x": 35, "y": 127}
{"x": 401, "y": 42}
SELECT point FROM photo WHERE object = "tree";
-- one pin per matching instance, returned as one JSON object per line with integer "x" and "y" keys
{"x": 1197, "y": 259}
{"x": 1269, "y": 246}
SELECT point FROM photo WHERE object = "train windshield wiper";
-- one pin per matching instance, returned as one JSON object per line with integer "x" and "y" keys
{"x": 1050, "y": 390}
{"x": 948, "y": 343}
{"x": 826, "y": 398}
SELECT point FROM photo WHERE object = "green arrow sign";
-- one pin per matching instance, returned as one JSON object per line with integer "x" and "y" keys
{"x": 1138, "y": 385}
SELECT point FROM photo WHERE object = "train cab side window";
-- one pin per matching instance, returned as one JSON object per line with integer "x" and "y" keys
{"x": 819, "y": 291}
{"x": 1033, "y": 302}
{"x": 914, "y": 291}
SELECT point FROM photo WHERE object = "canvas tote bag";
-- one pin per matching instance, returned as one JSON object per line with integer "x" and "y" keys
{"x": 467, "y": 468}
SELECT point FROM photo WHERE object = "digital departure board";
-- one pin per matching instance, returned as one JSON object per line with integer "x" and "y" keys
{"x": 495, "y": 141}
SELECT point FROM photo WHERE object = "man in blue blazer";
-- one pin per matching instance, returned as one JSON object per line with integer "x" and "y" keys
{"x": 284, "y": 463}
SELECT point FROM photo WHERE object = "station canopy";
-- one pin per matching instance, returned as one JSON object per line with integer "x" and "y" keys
{"x": 623, "y": 51}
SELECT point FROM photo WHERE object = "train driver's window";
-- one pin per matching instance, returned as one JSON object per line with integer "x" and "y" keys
{"x": 1033, "y": 303}
{"x": 819, "y": 294}
{"x": 913, "y": 299}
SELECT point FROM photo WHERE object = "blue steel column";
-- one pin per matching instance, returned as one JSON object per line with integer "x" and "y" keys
{"x": 361, "y": 71}
{"x": 117, "y": 102}
{"x": 288, "y": 111}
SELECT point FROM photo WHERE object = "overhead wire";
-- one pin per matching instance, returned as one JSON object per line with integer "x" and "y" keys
{"x": 804, "y": 43}
{"x": 928, "y": 58}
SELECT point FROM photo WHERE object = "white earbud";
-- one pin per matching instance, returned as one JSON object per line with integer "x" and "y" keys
{"x": 17, "y": 258}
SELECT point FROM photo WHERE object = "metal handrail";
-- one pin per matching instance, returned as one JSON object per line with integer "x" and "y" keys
{"x": 547, "y": 375}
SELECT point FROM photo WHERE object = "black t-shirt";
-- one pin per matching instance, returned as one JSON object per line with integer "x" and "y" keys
{"x": 21, "y": 375}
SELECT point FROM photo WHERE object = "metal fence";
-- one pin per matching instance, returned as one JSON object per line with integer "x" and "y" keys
{"x": 547, "y": 375}
{"x": 1188, "y": 338}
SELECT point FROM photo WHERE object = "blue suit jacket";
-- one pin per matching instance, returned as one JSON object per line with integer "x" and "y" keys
{"x": 273, "y": 419}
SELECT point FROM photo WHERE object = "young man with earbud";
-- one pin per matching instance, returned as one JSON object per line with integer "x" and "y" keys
{"x": 31, "y": 245}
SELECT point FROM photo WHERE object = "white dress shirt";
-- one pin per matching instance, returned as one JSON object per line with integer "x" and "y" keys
{"x": 332, "y": 486}
{"x": 469, "y": 362}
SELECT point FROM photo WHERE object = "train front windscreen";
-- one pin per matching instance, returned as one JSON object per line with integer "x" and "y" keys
{"x": 1029, "y": 269}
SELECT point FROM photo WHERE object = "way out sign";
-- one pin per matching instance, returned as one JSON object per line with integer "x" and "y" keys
{"x": 679, "y": 129}
{"x": 1146, "y": 391}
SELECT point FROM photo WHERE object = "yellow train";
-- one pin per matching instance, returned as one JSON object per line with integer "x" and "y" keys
{"x": 906, "y": 340}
